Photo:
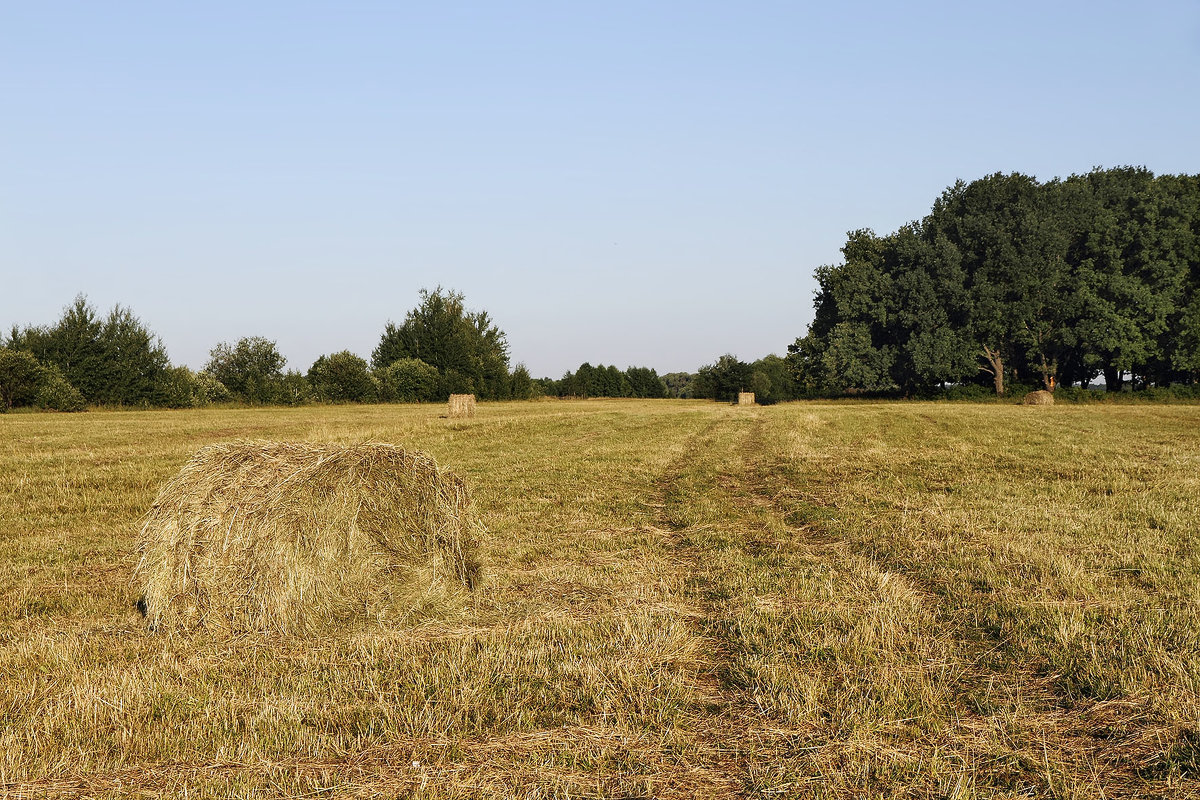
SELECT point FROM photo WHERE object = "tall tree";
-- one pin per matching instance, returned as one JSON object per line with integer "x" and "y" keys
{"x": 135, "y": 360}
{"x": 723, "y": 379}
{"x": 1042, "y": 282}
{"x": 1013, "y": 251}
{"x": 114, "y": 360}
{"x": 644, "y": 382}
{"x": 467, "y": 349}
{"x": 73, "y": 345}
{"x": 407, "y": 380}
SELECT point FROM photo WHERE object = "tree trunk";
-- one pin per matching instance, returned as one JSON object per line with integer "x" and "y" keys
{"x": 1114, "y": 379}
{"x": 996, "y": 360}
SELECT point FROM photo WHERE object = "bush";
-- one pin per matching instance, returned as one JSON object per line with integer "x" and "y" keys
{"x": 407, "y": 380}
{"x": 1077, "y": 394}
{"x": 343, "y": 377}
{"x": 212, "y": 390}
{"x": 57, "y": 394}
{"x": 179, "y": 387}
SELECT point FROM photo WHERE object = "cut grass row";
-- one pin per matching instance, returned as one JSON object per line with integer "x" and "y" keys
{"x": 682, "y": 599}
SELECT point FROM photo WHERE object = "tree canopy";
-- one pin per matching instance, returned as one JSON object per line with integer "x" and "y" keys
{"x": 1011, "y": 279}
{"x": 343, "y": 378}
{"x": 252, "y": 369}
{"x": 111, "y": 360}
{"x": 607, "y": 381}
{"x": 469, "y": 352}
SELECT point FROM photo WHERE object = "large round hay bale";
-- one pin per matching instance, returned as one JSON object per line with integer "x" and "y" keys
{"x": 293, "y": 537}
{"x": 1039, "y": 398}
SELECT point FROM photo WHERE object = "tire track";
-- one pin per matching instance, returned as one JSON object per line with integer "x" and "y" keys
{"x": 1097, "y": 744}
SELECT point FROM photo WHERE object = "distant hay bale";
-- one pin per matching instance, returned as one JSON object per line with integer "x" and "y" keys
{"x": 745, "y": 398}
{"x": 462, "y": 405}
{"x": 294, "y": 537}
{"x": 1039, "y": 398}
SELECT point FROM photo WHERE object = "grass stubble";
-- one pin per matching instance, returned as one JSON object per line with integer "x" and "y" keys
{"x": 681, "y": 600}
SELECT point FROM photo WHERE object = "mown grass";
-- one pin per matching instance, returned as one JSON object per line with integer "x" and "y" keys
{"x": 681, "y": 599}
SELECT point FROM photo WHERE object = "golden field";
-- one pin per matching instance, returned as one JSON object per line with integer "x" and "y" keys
{"x": 680, "y": 599}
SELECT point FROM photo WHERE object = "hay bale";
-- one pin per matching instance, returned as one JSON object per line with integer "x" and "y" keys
{"x": 294, "y": 537}
{"x": 745, "y": 398}
{"x": 462, "y": 405}
{"x": 1039, "y": 398}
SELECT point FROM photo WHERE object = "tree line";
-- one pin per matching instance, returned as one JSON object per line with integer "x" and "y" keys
{"x": 1011, "y": 280}
{"x": 605, "y": 381}
{"x": 440, "y": 348}
{"x": 87, "y": 358}
{"x": 770, "y": 378}
{"x": 1006, "y": 281}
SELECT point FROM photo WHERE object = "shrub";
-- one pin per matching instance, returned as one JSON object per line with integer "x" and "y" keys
{"x": 343, "y": 377}
{"x": 179, "y": 387}
{"x": 57, "y": 394}
{"x": 407, "y": 380}
{"x": 212, "y": 390}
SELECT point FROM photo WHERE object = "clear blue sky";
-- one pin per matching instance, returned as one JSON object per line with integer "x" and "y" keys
{"x": 629, "y": 183}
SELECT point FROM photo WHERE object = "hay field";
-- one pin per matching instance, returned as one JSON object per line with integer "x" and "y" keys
{"x": 680, "y": 600}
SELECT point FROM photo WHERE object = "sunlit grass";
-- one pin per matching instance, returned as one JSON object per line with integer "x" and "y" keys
{"x": 681, "y": 599}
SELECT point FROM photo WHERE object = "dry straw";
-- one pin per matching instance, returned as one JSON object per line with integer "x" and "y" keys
{"x": 1039, "y": 398}
{"x": 745, "y": 398}
{"x": 462, "y": 405}
{"x": 294, "y": 537}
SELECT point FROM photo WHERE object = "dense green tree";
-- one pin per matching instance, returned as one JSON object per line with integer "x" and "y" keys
{"x": 1013, "y": 249}
{"x": 772, "y": 380}
{"x": 73, "y": 345}
{"x": 723, "y": 379}
{"x": 293, "y": 389}
{"x": 523, "y": 387}
{"x": 549, "y": 387}
{"x": 251, "y": 369}
{"x": 849, "y": 345}
{"x": 135, "y": 360}
{"x": 113, "y": 360}
{"x": 184, "y": 388}
{"x": 56, "y": 393}
{"x": 180, "y": 388}
{"x": 678, "y": 384}
{"x": 1008, "y": 278}
{"x": 609, "y": 381}
{"x": 343, "y": 378}
{"x": 644, "y": 382}
{"x": 20, "y": 377}
{"x": 467, "y": 349}
{"x": 583, "y": 383}
{"x": 407, "y": 380}
{"x": 1185, "y": 355}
